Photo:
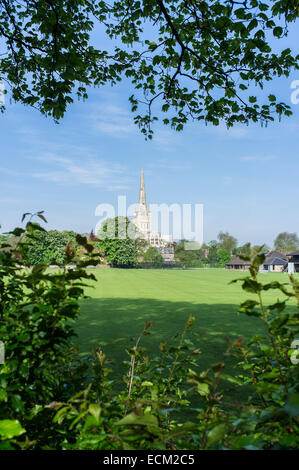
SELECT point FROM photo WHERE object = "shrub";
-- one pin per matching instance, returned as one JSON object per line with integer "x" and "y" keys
{"x": 119, "y": 242}
{"x": 153, "y": 256}
{"x": 49, "y": 247}
{"x": 37, "y": 308}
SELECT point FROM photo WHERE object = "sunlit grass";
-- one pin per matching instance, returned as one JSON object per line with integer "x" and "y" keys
{"x": 121, "y": 301}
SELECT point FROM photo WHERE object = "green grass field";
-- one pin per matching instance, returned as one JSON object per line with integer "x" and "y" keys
{"x": 121, "y": 301}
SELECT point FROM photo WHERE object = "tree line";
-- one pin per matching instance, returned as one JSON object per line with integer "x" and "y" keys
{"x": 120, "y": 244}
{"x": 191, "y": 60}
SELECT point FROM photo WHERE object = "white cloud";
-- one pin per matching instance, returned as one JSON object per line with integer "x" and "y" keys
{"x": 257, "y": 158}
{"x": 83, "y": 171}
{"x": 115, "y": 127}
{"x": 110, "y": 119}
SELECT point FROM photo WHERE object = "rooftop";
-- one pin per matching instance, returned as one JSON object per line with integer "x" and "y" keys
{"x": 238, "y": 261}
{"x": 275, "y": 261}
{"x": 294, "y": 253}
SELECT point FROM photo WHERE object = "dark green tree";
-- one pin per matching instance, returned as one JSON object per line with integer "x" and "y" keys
{"x": 3, "y": 237}
{"x": 286, "y": 242}
{"x": 119, "y": 241}
{"x": 241, "y": 250}
{"x": 202, "y": 253}
{"x": 226, "y": 241}
{"x": 213, "y": 250}
{"x": 197, "y": 59}
{"x": 223, "y": 256}
{"x": 141, "y": 245}
{"x": 153, "y": 256}
{"x": 183, "y": 255}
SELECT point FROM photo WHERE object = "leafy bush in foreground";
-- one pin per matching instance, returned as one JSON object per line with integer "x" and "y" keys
{"x": 50, "y": 400}
{"x": 49, "y": 247}
{"x": 36, "y": 310}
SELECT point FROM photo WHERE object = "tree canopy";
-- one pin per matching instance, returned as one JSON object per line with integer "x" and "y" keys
{"x": 286, "y": 242}
{"x": 119, "y": 242}
{"x": 153, "y": 256}
{"x": 227, "y": 242}
{"x": 183, "y": 255}
{"x": 223, "y": 256}
{"x": 197, "y": 59}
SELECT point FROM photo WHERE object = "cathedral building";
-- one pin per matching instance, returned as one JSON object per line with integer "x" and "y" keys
{"x": 143, "y": 221}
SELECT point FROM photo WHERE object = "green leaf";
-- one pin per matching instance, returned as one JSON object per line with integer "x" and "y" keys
{"x": 278, "y": 31}
{"x": 95, "y": 411}
{"x": 250, "y": 285}
{"x": 203, "y": 389}
{"x": 292, "y": 406}
{"x": 25, "y": 215}
{"x": 231, "y": 379}
{"x": 146, "y": 383}
{"x": 133, "y": 419}
{"x": 42, "y": 217}
{"x": 10, "y": 428}
{"x": 216, "y": 434}
{"x": 3, "y": 395}
{"x": 190, "y": 322}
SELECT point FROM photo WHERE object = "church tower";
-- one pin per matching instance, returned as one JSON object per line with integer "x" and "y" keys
{"x": 142, "y": 217}
{"x": 143, "y": 220}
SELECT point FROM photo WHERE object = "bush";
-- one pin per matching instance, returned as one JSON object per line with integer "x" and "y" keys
{"x": 37, "y": 309}
{"x": 153, "y": 257}
{"x": 119, "y": 242}
{"x": 49, "y": 247}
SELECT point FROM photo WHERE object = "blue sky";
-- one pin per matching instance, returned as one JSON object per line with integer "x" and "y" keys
{"x": 247, "y": 177}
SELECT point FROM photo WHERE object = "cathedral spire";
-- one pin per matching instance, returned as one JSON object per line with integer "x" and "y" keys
{"x": 142, "y": 198}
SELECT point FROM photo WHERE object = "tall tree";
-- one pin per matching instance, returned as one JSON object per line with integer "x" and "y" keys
{"x": 223, "y": 256}
{"x": 197, "y": 59}
{"x": 227, "y": 242}
{"x": 213, "y": 250}
{"x": 182, "y": 255}
{"x": 286, "y": 242}
{"x": 153, "y": 256}
{"x": 118, "y": 241}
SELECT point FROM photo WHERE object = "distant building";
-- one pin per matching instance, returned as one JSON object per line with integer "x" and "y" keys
{"x": 143, "y": 221}
{"x": 275, "y": 262}
{"x": 238, "y": 263}
{"x": 293, "y": 262}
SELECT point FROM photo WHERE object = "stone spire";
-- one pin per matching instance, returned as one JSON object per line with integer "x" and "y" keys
{"x": 142, "y": 197}
{"x": 142, "y": 218}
